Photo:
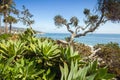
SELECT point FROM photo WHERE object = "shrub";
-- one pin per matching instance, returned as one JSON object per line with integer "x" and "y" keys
{"x": 83, "y": 49}
{"x": 110, "y": 55}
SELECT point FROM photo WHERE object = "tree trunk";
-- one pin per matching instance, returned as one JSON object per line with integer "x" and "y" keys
{"x": 6, "y": 25}
{"x": 0, "y": 24}
{"x": 10, "y": 27}
{"x": 72, "y": 38}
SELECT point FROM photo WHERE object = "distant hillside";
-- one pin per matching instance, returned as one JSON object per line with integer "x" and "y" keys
{"x": 18, "y": 29}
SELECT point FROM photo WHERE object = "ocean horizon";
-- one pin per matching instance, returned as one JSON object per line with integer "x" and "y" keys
{"x": 89, "y": 39}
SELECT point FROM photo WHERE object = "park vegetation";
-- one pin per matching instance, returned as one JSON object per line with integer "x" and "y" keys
{"x": 25, "y": 57}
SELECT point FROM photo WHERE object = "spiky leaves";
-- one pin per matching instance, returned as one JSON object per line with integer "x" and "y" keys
{"x": 87, "y": 72}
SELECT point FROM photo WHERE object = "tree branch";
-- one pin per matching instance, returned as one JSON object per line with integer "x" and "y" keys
{"x": 91, "y": 29}
{"x": 68, "y": 27}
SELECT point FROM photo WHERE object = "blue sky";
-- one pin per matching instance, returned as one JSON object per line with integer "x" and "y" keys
{"x": 45, "y": 10}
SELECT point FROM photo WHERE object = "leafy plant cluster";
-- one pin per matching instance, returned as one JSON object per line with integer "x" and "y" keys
{"x": 5, "y": 36}
{"x": 30, "y": 58}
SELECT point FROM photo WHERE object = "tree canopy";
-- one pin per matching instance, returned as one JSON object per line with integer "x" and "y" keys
{"x": 110, "y": 9}
{"x": 25, "y": 16}
{"x": 92, "y": 22}
{"x": 12, "y": 15}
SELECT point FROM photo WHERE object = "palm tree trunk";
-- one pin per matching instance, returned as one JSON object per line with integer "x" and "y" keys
{"x": 6, "y": 25}
{"x": 10, "y": 27}
{"x": 0, "y": 23}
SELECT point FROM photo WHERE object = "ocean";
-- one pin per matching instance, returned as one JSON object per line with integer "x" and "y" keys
{"x": 89, "y": 39}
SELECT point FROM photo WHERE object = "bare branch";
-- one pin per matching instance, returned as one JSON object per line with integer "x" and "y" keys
{"x": 78, "y": 29}
{"x": 91, "y": 29}
{"x": 68, "y": 27}
{"x": 82, "y": 28}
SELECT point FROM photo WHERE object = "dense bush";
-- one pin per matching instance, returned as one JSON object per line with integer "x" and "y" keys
{"x": 83, "y": 49}
{"x": 110, "y": 55}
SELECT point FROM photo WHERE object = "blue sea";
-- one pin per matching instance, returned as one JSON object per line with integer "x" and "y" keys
{"x": 89, "y": 39}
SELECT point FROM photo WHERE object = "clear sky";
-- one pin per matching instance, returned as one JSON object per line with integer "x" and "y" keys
{"x": 45, "y": 10}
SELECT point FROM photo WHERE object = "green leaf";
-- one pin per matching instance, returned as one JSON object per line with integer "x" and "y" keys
{"x": 91, "y": 77}
{"x": 62, "y": 72}
{"x": 82, "y": 73}
{"x": 102, "y": 73}
{"x": 109, "y": 76}
{"x": 65, "y": 70}
{"x": 38, "y": 73}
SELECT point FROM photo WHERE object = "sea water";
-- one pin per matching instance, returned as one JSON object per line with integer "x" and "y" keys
{"x": 89, "y": 39}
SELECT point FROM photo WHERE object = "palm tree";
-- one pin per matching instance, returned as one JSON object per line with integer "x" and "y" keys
{"x": 0, "y": 22}
{"x": 5, "y": 7}
{"x": 11, "y": 20}
{"x": 0, "y": 14}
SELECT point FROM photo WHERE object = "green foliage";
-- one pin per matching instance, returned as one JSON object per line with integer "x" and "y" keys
{"x": 4, "y": 36}
{"x": 30, "y": 58}
{"x": 25, "y": 70}
{"x": 10, "y": 49}
{"x": 29, "y": 33}
{"x": 11, "y": 19}
{"x": 87, "y": 72}
{"x": 68, "y": 54}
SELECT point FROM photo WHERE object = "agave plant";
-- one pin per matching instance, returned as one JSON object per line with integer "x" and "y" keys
{"x": 26, "y": 70}
{"x": 68, "y": 54}
{"x": 88, "y": 72}
{"x": 10, "y": 49}
{"x": 10, "y": 52}
{"x": 46, "y": 55}
{"x": 49, "y": 50}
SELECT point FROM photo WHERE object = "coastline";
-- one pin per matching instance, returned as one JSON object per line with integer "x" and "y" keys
{"x": 90, "y": 39}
